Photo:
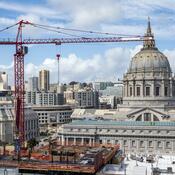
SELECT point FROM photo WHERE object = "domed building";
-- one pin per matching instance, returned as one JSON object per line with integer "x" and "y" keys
{"x": 149, "y": 85}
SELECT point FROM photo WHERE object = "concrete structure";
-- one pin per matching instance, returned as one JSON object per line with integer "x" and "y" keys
{"x": 3, "y": 81}
{"x": 31, "y": 124}
{"x": 116, "y": 90}
{"x": 53, "y": 115}
{"x": 145, "y": 137}
{"x": 86, "y": 98}
{"x": 7, "y": 124}
{"x": 98, "y": 85}
{"x": 44, "y": 80}
{"x": 44, "y": 98}
{"x": 33, "y": 84}
{"x": 69, "y": 97}
{"x": 109, "y": 101}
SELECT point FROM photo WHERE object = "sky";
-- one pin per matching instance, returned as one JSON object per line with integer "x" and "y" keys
{"x": 86, "y": 62}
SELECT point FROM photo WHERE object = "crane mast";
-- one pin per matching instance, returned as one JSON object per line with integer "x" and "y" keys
{"x": 21, "y": 50}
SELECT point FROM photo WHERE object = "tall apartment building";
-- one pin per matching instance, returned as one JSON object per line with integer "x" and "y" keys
{"x": 87, "y": 98}
{"x": 43, "y": 98}
{"x": 44, "y": 80}
{"x": 33, "y": 84}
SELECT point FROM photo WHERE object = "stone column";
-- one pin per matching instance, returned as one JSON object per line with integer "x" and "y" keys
{"x": 127, "y": 90}
{"x": 154, "y": 145}
{"x": 138, "y": 146}
{"x": 143, "y": 88}
{"x": 133, "y": 89}
{"x": 82, "y": 141}
{"x": 163, "y": 88}
{"x": 93, "y": 142}
{"x": 164, "y": 148}
{"x": 74, "y": 141}
{"x": 90, "y": 142}
{"x": 171, "y": 88}
{"x": 62, "y": 140}
{"x": 67, "y": 141}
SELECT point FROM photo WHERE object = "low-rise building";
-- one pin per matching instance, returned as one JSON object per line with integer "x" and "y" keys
{"x": 133, "y": 136}
{"x": 7, "y": 124}
{"x": 53, "y": 115}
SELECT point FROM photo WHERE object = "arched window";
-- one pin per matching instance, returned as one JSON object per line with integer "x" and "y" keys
{"x": 130, "y": 91}
{"x": 157, "y": 93}
{"x": 166, "y": 91}
{"x": 147, "y": 93}
{"x": 147, "y": 116}
{"x": 138, "y": 90}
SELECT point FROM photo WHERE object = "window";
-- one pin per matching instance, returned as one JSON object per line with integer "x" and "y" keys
{"x": 166, "y": 91}
{"x": 133, "y": 143}
{"x": 157, "y": 91}
{"x": 159, "y": 145}
{"x": 138, "y": 91}
{"x": 141, "y": 143}
{"x": 167, "y": 144}
{"x": 108, "y": 141}
{"x": 147, "y": 91}
{"x": 130, "y": 89}
{"x": 125, "y": 142}
{"x": 147, "y": 116}
{"x": 150, "y": 144}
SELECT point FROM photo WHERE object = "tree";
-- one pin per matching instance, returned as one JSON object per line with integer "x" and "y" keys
{"x": 30, "y": 145}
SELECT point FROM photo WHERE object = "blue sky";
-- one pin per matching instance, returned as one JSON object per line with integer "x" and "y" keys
{"x": 86, "y": 62}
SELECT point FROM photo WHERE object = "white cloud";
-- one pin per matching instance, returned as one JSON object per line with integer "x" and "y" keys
{"x": 171, "y": 57}
{"x": 87, "y": 14}
{"x": 112, "y": 64}
{"x": 27, "y": 8}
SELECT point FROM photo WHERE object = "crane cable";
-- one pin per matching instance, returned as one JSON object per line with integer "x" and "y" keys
{"x": 85, "y": 31}
{"x": 6, "y": 28}
{"x": 52, "y": 30}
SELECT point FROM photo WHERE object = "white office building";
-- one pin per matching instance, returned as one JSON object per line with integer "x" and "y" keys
{"x": 43, "y": 98}
{"x": 53, "y": 115}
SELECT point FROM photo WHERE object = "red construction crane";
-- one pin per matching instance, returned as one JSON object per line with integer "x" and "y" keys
{"x": 21, "y": 50}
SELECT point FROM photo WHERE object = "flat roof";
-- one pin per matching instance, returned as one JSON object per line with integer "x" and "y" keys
{"x": 120, "y": 123}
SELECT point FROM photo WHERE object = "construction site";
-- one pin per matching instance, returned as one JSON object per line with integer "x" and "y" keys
{"x": 55, "y": 158}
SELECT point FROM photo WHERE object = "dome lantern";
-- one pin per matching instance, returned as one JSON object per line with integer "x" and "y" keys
{"x": 149, "y": 43}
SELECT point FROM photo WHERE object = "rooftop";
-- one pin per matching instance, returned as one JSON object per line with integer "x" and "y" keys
{"x": 122, "y": 123}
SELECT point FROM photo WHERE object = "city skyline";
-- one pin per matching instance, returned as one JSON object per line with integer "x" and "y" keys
{"x": 77, "y": 60}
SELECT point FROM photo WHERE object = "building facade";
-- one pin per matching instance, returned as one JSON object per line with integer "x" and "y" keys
{"x": 149, "y": 84}
{"x": 33, "y": 84}
{"x": 53, "y": 115}
{"x": 143, "y": 137}
{"x": 7, "y": 124}
{"x": 44, "y": 80}
{"x": 44, "y": 98}
{"x": 145, "y": 122}
{"x": 86, "y": 98}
